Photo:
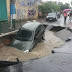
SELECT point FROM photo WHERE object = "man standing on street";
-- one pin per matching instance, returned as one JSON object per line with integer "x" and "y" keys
{"x": 65, "y": 17}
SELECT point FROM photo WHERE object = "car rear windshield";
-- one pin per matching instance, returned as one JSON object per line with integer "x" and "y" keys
{"x": 24, "y": 35}
{"x": 51, "y": 14}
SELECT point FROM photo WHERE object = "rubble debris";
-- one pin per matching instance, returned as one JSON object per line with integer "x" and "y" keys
{"x": 1, "y": 45}
{"x": 7, "y": 63}
{"x": 6, "y": 41}
{"x": 56, "y": 28}
{"x": 49, "y": 27}
{"x": 66, "y": 48}
{"x": 58, "y": 62}
{"x": 70, "y": 38}
{"x": 63, "y": 34}
{"x": 44, "y": 48}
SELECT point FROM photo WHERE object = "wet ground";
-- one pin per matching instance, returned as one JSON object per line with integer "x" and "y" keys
{"x": 58, "y": 62}
{"x": 6, "y": 27}
{"x": 66, "y": 48}
{"x": 60, "y": 22}
{"x": 44, "y": 48}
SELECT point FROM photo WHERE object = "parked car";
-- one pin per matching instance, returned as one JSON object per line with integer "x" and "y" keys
{"x": 52, "y": 16}
{"x": 28, "y": 36}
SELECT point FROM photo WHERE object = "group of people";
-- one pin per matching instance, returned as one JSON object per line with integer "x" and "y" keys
{"x": 65, "y": 16}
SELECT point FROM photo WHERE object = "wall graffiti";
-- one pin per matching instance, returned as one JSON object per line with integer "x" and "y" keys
{"x": 27, "y": 2}
{"x": 23, "y": 3}
{"x": 20, "y": 13}
{"x": 31, "y": 2}
{"x": 31, "y": 12}
{"x": 25, "y": 8}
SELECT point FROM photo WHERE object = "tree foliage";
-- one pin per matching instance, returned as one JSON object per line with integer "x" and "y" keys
{"x": 52, "y": 6}
{"x": 49, "y": 7}
{"x": 63, "y": 6}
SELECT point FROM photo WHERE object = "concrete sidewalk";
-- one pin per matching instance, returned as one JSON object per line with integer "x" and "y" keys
{"x": 6, "y": 26}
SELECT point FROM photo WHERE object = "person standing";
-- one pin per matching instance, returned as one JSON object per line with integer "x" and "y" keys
{"x": 70, "y": 16}
{"x": 65, "y": 17}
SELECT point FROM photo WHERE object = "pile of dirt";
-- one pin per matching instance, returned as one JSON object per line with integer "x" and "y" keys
{"x": 1, "y": 45}
{"x": 42, "y": 49}
{"x": 64, "y": 34}
{"x": 10, "y": 54}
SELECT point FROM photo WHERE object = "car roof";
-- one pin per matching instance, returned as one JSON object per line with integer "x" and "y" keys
{"x": 31, "y": 25}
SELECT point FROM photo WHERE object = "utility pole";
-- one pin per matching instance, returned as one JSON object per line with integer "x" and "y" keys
{"x": 12, "y": 13}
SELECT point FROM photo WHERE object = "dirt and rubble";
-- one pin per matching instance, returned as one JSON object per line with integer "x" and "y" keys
{"x": 42, "y": 49}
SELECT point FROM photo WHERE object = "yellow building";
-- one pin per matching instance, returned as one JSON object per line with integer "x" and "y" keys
{"x": 26, "y": 9}
{"x": 8, "y": 9}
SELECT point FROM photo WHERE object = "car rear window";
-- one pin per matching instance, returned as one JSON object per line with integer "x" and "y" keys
{"x": 51, "y": 14}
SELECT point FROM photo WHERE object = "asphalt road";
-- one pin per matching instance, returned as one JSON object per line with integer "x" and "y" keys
{"x": 61, "y": 61}
{"x": 60, "y": 22}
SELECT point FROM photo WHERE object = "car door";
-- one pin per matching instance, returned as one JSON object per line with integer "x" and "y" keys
{"x": 38, "y": 34}
{"x": 36, "y": 39}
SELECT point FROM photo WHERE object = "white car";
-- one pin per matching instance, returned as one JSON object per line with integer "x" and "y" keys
{"x": 52, "y": 16}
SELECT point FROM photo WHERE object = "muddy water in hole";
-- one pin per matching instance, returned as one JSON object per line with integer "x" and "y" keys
{"x": 42, "y": 49}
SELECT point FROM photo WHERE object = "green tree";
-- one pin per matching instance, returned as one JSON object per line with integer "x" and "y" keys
{"x": 63, "y": 6}
{"x": 66, "y": 5}
{"x": 49, "y": 7}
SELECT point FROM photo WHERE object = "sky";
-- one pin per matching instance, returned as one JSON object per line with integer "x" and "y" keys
{"x": 64, "y": 1}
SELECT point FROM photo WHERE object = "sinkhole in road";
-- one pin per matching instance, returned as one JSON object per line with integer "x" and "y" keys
{"x": 54, "y": 28}
{"x": 64, "y": 33}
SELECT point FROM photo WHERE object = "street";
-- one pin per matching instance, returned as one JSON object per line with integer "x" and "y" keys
{"x": 35, "y": 35}
{"x": 60, "y": 22}
{"x": 43, "y": 48}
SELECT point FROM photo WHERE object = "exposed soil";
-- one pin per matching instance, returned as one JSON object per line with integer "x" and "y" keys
{"x": 42, "y": 49}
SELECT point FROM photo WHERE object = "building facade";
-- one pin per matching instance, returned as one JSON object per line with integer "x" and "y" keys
{"x": 20, "y": 9}
{"x": 26, "y": 9}
{"x": 3, "y": 10}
